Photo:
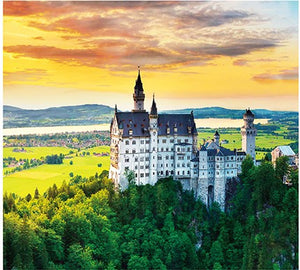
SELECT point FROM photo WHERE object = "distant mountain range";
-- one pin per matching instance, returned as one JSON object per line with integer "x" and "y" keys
{"x": 219, "y": 112}
{"x": 91, "y": 114}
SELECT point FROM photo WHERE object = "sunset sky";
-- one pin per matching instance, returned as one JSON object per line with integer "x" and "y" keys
{"x": 192, "y": 54}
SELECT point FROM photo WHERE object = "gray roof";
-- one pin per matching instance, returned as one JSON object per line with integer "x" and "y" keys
{"x": 138, "y": 122}
{"x": 219, "y": 152}
{"x": 286, "y": 150}
{"x": 180, "y": 121}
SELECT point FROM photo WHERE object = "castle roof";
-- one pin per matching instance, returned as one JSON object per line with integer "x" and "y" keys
{"x": 138, "y": 123}
{"x": 217, "y": 133}
{"x": 218, "y": 152}
{"x": 203, "y": 148}
{"x": 180, "y": 121}
{"x": 248, "y": 112}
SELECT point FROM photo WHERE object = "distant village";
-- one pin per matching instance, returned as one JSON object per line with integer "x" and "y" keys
{"x": 76, "y": 140}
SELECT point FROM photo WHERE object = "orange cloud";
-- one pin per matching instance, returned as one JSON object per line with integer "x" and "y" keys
{"x": 286, "y": 74}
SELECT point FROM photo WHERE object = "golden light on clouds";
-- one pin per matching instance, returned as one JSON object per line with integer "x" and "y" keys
{"x": 192, "y": 54}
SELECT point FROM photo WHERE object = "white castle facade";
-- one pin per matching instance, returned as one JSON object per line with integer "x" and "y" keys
{"x": 156, "y": 146}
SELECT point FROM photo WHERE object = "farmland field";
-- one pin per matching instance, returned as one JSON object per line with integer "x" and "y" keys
{"x": 44, "y": 176}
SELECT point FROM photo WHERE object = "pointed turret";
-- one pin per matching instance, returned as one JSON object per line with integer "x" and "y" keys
{"x": 138, "y": 95}
{"x": 153, "y": 112}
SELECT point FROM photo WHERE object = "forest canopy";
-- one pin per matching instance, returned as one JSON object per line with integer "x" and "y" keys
{"x": 88, "y": 224}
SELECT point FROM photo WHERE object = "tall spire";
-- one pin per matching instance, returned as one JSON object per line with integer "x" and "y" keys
{"x": 138, "y": 95}
{"x": 153, "y": 111}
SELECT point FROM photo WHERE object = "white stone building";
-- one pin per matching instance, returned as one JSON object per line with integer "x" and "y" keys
{"x": 160, "y": 145}
{"x": 285, "y": 150}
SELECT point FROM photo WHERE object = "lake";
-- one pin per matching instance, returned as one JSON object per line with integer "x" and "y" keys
{"x": 206, "y": 123}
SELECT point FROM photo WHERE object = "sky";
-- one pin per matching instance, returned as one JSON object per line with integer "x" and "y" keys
{"x": 192, "y": 54}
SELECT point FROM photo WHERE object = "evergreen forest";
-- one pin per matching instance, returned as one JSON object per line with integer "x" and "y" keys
{"x": 88, "y": 224}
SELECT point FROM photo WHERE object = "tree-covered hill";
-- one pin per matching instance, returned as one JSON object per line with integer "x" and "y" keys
{"x": 219, "y": 112}
{"x": 87, "y": 224}
{"x": 90, "y": 114}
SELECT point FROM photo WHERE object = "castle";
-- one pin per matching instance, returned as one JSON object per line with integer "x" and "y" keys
{"x": 156, "y": 145}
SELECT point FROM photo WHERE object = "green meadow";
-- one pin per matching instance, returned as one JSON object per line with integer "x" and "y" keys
{"x": 234, "y": 139}
{"x": 44, "y": 176}
{"x": 34, "y": 152}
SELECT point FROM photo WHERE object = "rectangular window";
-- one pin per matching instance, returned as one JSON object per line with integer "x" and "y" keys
{"x": 142, "y": 175}
{"x": 172, "y": 141}
{"x": 142, "y": 142}
{"x": 164, "y": 141}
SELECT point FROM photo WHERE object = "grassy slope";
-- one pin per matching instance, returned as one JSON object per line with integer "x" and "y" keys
{"x": 44, "y": 176}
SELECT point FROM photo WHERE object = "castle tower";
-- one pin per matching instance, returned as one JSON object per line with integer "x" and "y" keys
{"x": 217, "y": 138}
{"x": 138, "y": 95}
{"x": 153, "y": 129}
{"x": 248, "y": 134}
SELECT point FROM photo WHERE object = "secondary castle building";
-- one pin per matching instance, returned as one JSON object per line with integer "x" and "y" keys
{"x": 156, "y": 145}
